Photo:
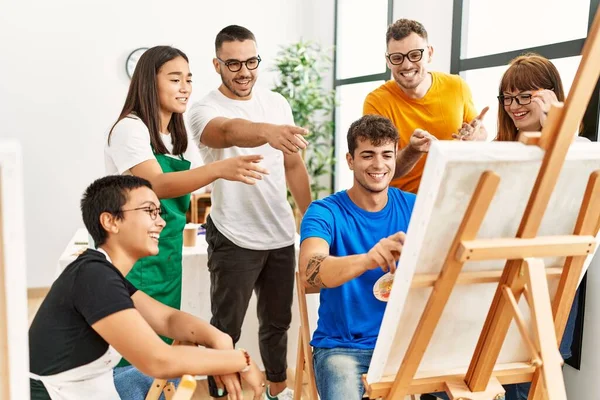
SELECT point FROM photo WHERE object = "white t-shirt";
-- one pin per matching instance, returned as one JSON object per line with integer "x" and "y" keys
{"x": 256, "y": 217}
{"x": 130, "y": 146}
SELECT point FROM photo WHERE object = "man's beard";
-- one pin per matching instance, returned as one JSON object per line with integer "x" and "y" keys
{"x": 403, "y": 84}
{"x": 229, "y": 86}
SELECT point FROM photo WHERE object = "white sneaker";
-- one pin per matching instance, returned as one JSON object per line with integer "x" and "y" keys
{"x": 286, "y": 394}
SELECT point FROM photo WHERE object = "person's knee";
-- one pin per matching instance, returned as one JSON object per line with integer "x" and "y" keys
{"x": 338, "y": 373}
{"x": 131, "y": 383}
{"x": 273, "y": 327}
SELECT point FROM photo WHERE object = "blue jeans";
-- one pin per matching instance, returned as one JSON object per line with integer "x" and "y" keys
{"x": 339, "y": 371}
{"x": 520, "y": 391}
{"x": 131, "y": 384}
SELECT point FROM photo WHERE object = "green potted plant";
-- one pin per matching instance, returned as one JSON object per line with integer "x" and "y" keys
{"x": 301, "y": 67}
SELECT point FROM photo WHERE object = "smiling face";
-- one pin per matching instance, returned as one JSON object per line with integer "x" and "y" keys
{"x": 373, "y": 166}
{"x": 525, "y": 75}
{"x": 409, "y": 74}
{"x": 525, "y": 117}
{"x": 237, "y": 85}
{"x": 138, "y": 232}
{"x": 174, "y": 82}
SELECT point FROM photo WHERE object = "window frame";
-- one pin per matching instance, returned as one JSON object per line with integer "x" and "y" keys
{"x": 337, "y": 82}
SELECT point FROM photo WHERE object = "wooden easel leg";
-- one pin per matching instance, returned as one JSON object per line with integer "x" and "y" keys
{"x": 156, "y": 389}
{"x": 495, "y": 328}
{"x": 299, "y": 368}
{"x": 309, "y": 367}
{"x": 587, "y": 224}
{"x": 460, "y": 391}
{"x": 543, "y": 328}
{"x": 5, "y": 378}
{"x": 480, "y": 201}
{"x": 169, "y": 391}
{"x": 186, "y": 388}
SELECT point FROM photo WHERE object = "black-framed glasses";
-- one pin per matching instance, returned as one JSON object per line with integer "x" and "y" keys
{"x": 236, "y": 65}
{"x": 522, "y": 99}
{"x": 398, "y": 58}
{"x": 152, "y": 211}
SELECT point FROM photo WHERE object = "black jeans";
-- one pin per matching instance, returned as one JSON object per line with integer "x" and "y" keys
{"x": 234, "y": 273}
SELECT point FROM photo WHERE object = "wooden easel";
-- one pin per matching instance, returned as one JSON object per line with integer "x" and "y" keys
{"x": 523, "y": 274}
{"x": 4, "y": 367}
{"x": 304, "y": 359}
{"x": 185, "y": 391}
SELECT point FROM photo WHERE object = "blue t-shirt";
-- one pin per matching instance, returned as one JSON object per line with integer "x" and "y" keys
{"x": 350, "y": 315}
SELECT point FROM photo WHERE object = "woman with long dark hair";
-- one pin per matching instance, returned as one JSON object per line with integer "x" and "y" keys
{"x": 149, "y": 140}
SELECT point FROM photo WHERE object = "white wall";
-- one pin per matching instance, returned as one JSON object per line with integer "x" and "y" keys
{"x": 64, "y": 84}
{"x": 438, "y": 24}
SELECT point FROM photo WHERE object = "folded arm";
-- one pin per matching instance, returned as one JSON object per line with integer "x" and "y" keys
{"x": 129, "y": 333}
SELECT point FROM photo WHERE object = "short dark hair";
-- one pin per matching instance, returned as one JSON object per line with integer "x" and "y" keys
{"x": 108, "y": 194}
{"x": 233, "y": 33}
{"x": 375, "y": 128}
{"x": 403, "y": 28}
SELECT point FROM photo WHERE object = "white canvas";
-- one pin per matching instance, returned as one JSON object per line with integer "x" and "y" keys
{"x": 449, "y": 180}
{"x": 15, "y": 288}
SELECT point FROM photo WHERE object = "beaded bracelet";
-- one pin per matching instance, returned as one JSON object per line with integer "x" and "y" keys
{"x": 247, "y": 368}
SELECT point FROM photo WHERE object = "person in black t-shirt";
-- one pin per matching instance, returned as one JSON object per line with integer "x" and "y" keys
{"x": 92, "y": 315}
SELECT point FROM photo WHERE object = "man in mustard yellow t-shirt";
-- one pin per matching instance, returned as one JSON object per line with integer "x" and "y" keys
{"x": 423, "y": 105}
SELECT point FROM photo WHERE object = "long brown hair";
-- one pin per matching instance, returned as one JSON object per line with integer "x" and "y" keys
{"x": 143, "y": 102}
{"x": 527, "y": 72}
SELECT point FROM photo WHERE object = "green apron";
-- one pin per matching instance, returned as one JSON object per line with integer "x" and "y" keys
{"x": 159, "y": 276}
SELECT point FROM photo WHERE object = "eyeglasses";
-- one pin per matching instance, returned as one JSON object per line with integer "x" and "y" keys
{"x": 236, "y": 65}
{"x": 522, "y": 99}
{"x": 398, "y": 58}
{"x": 152, "y": 211}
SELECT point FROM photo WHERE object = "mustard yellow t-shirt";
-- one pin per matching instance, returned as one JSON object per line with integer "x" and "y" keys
{"x": 441, "y": 112}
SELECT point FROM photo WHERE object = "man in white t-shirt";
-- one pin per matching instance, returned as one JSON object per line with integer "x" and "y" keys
{"x": 251, "y": 229}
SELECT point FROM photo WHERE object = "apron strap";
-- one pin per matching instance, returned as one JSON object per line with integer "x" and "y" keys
{"x": 35, "y": 377}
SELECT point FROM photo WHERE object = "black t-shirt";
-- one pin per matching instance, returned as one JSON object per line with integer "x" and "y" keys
{"x": 61, "y": 337}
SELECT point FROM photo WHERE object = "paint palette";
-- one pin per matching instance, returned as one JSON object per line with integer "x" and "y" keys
{"x": 383, "y": 287}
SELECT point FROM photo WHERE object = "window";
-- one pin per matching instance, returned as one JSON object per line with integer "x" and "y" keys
{"x": 493, "y": 27}
{"x": 350, "y": 99}
{"x": 360, "y": 38}
{"x": 359, "y": 68}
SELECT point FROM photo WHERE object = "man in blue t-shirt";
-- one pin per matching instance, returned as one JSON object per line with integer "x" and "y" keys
{"x": 348, "y": 241}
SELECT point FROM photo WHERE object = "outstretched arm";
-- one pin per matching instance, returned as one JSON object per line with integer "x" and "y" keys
{"x": 318, "y": 269}
{"x": 245, "y": 169}
{"x": 223, "y": 132}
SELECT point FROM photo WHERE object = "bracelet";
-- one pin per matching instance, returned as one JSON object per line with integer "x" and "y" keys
{"x": 247, "y": 368}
